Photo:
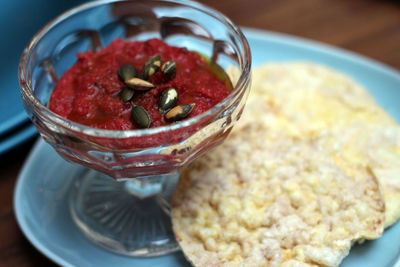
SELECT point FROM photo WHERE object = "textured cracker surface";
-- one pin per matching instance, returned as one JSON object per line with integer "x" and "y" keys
{"x": 272, "y": 202}
{"x": 294, "y": 184}
{"x": 316, "y": 103}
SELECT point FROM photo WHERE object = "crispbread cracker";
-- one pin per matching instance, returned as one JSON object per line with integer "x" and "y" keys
{"x": 314, "y": 98}
{"x": 263, "y": 199}
{"x": 304, "y": 125}
{"x": 314, "y": 102}
{"x": 372, "y": 146}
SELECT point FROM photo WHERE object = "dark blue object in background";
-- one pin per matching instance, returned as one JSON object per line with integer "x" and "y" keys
{"x": 20, "y": 20}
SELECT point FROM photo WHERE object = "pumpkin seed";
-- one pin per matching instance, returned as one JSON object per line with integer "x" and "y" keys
{"x": 139, "y": 84}
{"x": 179, "y": 112}
{"x": 127, "y": 94}
{"x": 127, "y": 72}
{"x": 140, "y": 117}
{"x": 169, "y": 68}
{"x": 168, "y": 99}
{"x": 150, "y": 71}
{"x": 151, "y": 66}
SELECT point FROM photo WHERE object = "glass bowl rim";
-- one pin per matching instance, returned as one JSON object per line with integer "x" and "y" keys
{"x": 26, "y": 89}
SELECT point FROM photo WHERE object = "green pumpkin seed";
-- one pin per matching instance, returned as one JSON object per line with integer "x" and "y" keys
{"x": 151, "y": 66}
{"x": 139, "y": 84}
{"x": 179, "y": 112}
{"x": 127, "y": 94}
{"x": 168, "y": 99}
{"x": 169, "y": 68}
{"x": 140, "y": 117}
{"x": 127, "y": 72}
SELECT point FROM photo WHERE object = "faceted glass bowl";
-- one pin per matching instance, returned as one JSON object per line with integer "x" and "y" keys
{"x": 148, "y": 160}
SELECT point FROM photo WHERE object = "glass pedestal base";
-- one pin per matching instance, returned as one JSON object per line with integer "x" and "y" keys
{"x": 123, "y": 217}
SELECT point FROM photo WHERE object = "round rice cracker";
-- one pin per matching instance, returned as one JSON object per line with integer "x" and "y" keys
{"x": 314, "y": 102}
{"x": 276, "y": 201}
{"x": 313, "y": 97}
{"x": 372, "y": 146}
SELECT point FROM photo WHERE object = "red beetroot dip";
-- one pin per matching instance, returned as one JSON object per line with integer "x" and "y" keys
{"x": 89, "y": 92}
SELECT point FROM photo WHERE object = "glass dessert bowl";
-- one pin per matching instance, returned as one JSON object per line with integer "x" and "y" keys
{"x": 129, "y": 214}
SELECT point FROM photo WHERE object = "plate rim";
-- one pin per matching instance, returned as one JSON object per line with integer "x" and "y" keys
{"x": 13, "y": 122}
{"x": 323, "y": 48}
{"x": 23, "y": 135}
{"x": 17, "y": 205}
{"x": 249, "y": 33}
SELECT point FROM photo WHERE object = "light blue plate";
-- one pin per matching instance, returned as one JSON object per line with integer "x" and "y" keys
{"x": 40, "y": 198}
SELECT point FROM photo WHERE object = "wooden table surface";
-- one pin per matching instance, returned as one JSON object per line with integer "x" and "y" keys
{"x": 368, "y": 27}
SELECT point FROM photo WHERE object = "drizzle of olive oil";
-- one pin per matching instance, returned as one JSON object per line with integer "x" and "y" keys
{"x": 218, "y": 71}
